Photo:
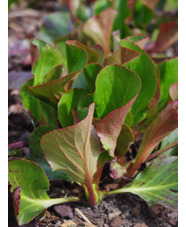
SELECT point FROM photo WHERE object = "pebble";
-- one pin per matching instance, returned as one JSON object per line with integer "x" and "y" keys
{"x": 63, "y": 211}
{"x": 116, "y": 222}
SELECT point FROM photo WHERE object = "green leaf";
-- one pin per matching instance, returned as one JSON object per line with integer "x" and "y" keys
{"x": 91, "y": 72}
{"x": 69, "y": 101}
{"x": 168, "y": 76}
{"x": 157, "y": 184}
{"x": 37, "y": 155}
{"x": 49, "y": 58}
{"x": 54, "y": 74}
{"x": 115, "y": 87}
{"x": 44, "y": 113}
{"x": 116, "y": 90}
{"x": 78, "y": 55}
{"x": 125, "y": 139}
{"x": 99, "y": 28}
{"x": 148, "y": 77}
{"x": 29, "y": 186}
{"x": 123, "y": 13}
{"x": 92, "y": 56}
{"x": 53, "y": 90}
{"x": 74, "y": 150}
{"x": 142, "y": 14}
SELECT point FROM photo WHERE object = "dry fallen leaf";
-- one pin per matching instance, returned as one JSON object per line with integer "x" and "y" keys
{"x": 69, "y": 223}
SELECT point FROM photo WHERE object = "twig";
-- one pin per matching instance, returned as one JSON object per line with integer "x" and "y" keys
{"x": 82, "y": 215}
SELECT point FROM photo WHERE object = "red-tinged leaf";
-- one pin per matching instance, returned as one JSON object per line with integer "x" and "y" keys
{"x": 74, "y": 150}
{"x": 115, "y": 87}
{"x": 68, "y": 102}
{"x": 121, "y": 56}
{"x": 77, "y": 57}
{"x": 164, "y": 123}
{"x": 99, "y": 28}
{"x": 168, "y": 35}
{"x": 54, "y": 74}
{"x": 173, "y": 91}
{"x": 91, "y": 54}
{"x": 140, "y": 41}
{"x": 29, "y": 186}
{"x": 44, "y": 113}
{"x": 103, "y": 158}
{"x": 109, "y": 128}
{"x": 53, "y": 90}
{"x": 49, "y": 58}
{"x": 148, "y": 76}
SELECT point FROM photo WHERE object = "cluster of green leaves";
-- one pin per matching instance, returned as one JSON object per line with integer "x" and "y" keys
{"x": 91, "y": 111}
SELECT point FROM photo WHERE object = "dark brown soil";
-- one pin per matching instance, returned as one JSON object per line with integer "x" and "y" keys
{"x": 117, "y": 211}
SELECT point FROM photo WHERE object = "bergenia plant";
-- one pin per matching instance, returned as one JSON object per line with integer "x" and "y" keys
{"x": 91, "y": 112}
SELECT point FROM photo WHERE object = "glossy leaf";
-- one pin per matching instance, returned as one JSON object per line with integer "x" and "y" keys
{"x": 157, "y": 184}
{"x": 91, "y": 54}
{"x": 29, "y": 186}
{"x": 37, "y": 155}
{"x": 54, "y": 74}
{"x": 148, "y": 77}
{"x": 168, "y": 76}
{"x": 44, "y": 113}
{"x": 99, "y": 28}
{"x": 49, "y": 57}
{"x": 53, "y": 90}
{"x": 116, "y": 90}
{"x": 69, "y": 101}
{"x": 74, "y": 150}
{"x": 115, "y": 87}
{"x": 76, "y": 58}
{"x": 91, "y": 72}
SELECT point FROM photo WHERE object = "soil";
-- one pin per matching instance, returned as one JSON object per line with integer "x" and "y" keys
{"x": 125, "y": 210}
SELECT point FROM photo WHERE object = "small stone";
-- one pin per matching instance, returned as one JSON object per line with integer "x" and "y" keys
{"x": 63, "y": 211}
{"x": 114, "y": 214}
{"x": 116, "y": 222}
{"x": 141, "y": 225}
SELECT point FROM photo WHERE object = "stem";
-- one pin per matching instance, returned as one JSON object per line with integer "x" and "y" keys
{"x": 161, "y": 151}
{"x": 91, "y": 195}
